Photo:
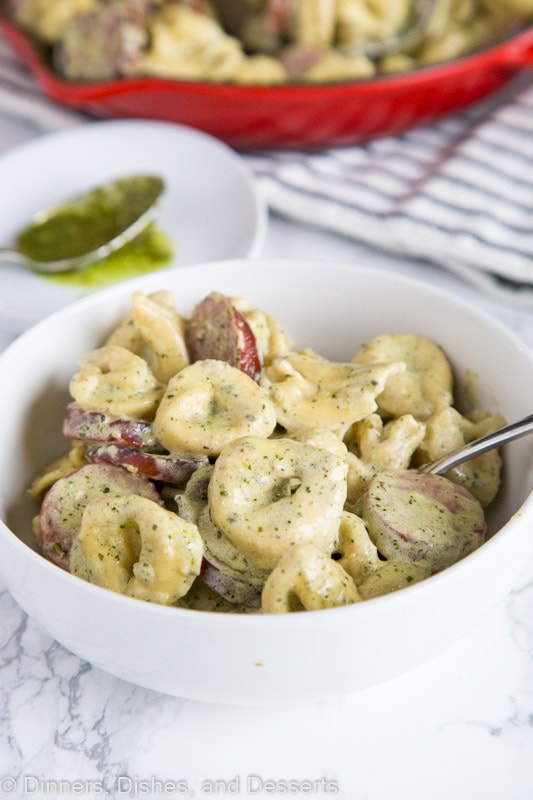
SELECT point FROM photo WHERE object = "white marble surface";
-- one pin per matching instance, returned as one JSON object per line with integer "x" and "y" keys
{"x": 460, "y": 726}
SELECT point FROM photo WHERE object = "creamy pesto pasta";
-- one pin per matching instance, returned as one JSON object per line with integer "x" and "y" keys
{"x": 256, "y": 41}
{"x": 215, "y": 464}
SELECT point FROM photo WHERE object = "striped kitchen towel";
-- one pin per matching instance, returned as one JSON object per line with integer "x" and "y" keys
{"x": 21, "y": 98}
{"x": 458, "y": 193}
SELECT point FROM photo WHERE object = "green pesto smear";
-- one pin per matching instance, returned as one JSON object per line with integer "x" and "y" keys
{"x": 89, "y": 221}
{"x": 149, "y": 251}
{"x": 86, "y": 223}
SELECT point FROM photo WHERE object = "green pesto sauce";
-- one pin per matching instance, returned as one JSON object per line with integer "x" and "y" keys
{"x": 149, "y": 251}
{"x": 87, "y": 222}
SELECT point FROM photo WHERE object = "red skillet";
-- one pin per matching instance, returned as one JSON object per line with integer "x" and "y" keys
{"x": 292, "y": 116}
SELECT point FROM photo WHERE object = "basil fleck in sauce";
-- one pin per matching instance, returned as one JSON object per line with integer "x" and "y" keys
{"x": 86, "y": 223}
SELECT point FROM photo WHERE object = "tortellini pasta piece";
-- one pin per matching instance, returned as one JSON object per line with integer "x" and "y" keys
{"x": 314, "y": 22}
{"x": 457, "y": 26}
{"x": 58, "y": 469}
{"x": 334, "y": 66}
{"x": 219, "y": 550}
{"x": 127, "y": 335}
{"x": 369, "y": 19}
{"x": 355, "y": 551}
{"x": 306, "y": 578}
{"x": 155, "y": 331}
{"x": 192, "y": 500}
{"x": 308, "y": 390}
{"x": 223, "y": 554}
{"x": 360, "y": 473}
{"x": 114, "y": 380}
{"x": 391, "y": 577}
{"x": 266, "y": 494}
{"x": 424, "y": 388}
{"x": 209, "y": 404}
{"x": 322, "y": 438}
{"x": 260, "y": 70}
{"x": 135, "y": 547}
{"x": 375, "y": 446}
{"x": 186, "y": 44}
{"x": 49, "y": 20}
{"x": 387, "y": 446}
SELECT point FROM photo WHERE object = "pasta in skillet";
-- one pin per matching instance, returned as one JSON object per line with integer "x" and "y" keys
{"x": 214, "y": 465}
{"x": 256, "y": 41}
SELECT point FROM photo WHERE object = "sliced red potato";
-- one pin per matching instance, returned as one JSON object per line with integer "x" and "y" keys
{"x": 95, "y": 426}
{"x": 235, "y": 591}
{"x": 175, "y": 468}
{"x": 422, "y": 519}
{"x": 63, "y": 506}
{"x": 217, "y": 330}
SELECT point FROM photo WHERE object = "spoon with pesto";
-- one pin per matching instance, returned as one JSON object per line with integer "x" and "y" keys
{"x": 87, "y": 228}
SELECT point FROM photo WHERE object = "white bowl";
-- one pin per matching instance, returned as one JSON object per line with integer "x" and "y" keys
{"x": 253, "y": 658}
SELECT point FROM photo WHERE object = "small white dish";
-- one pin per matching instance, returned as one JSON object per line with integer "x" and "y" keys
{"x": 210, "y": 208}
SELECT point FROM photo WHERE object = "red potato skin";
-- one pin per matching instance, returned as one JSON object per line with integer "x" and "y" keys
{"x": 235, "y": 591}
{"x": 421, "y": 518}
{"x": 217, "y": 330}
{"x": 248, "y": 357}
{"x": 166, "y": 468}
{"x": 437, "y": 490}
{"x": 63, "y": 505}
{"x": 94, "y": 426}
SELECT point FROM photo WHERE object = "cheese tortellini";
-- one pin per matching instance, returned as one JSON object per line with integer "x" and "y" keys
{"x": 113, "y": 379}
{"x": 155, "y": 331}
{"x": 207, "y": 405}
{"x": 133, "y": 546}
{"x": 308, "y": 390}
{"x": 265, "y": 494}
{"x": 217, "y": 486}
{"x": 426, "y": 384}
{"x": 305, "y": 578}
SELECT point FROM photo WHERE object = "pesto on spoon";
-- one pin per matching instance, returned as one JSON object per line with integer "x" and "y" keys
{"x": 88, "y": 228}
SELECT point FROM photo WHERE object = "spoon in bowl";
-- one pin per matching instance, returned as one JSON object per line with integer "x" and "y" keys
{"x": 506, "y": 434}
{"x": 87, "y": 228}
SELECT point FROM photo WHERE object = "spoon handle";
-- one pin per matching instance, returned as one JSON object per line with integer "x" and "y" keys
{"x": 506, "y": 434}
{"x": 9, "y": 256}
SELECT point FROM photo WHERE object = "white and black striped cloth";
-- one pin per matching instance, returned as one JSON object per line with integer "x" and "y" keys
{"x": 21, "y": 98}
{"x": 458, "y": 193}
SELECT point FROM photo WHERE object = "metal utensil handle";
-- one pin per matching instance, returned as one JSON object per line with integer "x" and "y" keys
{"x": 9, "y": 256}
{"x": 513, "y": 431}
